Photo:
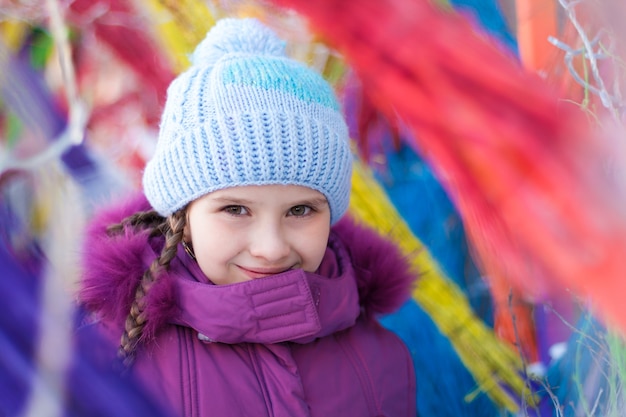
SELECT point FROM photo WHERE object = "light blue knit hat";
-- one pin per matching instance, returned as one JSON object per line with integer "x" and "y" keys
{"x": 246, "y": 114}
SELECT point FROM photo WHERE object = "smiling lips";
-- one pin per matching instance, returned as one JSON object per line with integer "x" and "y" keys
{"x": 262, "y": 272}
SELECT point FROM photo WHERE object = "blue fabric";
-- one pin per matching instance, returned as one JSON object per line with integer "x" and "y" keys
{"x": 442, "y": 379}
{"x": 586, "y": 376}
{"x": 424, "y": 204}
{"x": 489, "y": 14}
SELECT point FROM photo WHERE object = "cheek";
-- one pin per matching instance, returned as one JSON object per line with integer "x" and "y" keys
{"x": 314, "y": 248}
{"x": 209, "y": 242}
{"x": 213, "y": 246}
{"x": 213, "y": 256}
{"x": 204, "y": 230}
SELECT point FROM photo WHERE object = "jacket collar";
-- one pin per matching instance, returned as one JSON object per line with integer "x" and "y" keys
{"x": 292, "y": 306}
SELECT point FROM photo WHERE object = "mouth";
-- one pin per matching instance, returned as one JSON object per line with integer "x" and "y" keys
{"x": 255, "y": 273}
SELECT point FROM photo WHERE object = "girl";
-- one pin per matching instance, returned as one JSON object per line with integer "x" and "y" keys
{"x": 230, "y": 291}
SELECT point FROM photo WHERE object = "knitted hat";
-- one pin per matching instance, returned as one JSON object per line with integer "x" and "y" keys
{"x": 245, "y": 114}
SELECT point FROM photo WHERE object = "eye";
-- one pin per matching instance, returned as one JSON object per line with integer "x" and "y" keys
{"x": 235, "y": 210}
{"x": 300, "y": 210}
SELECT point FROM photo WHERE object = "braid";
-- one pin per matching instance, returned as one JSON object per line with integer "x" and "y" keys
{"x": 172, "y": 228}
{"x": 141, "y": 220}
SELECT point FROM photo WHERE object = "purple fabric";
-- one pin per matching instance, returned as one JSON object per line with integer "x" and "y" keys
{"x": 96, "y": 387}
{"x": 114, "y": 266}
{"x": 292, "y": 344}
{"x": 26, "y": 93}
{"x": 18, "y": 330}
{"x": 91, "y": 387}
{"x": 292, "y": 306}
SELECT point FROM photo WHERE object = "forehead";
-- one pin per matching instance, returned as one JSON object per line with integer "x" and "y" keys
{"x": 267, "y": 193}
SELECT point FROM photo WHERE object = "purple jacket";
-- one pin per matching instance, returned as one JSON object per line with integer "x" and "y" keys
{"x": 293, "y": 344}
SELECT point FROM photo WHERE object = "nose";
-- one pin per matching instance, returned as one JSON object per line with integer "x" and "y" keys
{"x": 269, "y": 242}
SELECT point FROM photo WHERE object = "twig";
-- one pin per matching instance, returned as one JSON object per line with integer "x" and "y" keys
{"x": 76, "y": 122}
{"x": 612, "y": 102}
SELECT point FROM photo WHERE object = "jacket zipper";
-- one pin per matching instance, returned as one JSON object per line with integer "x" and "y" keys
{"x": 258, "y": 370}
{"x": 188, "y": 383}
{"x": 361, "y": 371}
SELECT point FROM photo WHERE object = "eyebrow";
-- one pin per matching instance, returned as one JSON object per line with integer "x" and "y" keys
{"x": 232, "y": 200}
{"x": 315, "y": 201}
{"x": 318, "y": 201}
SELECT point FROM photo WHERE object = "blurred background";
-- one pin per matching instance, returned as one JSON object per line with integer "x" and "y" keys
{"x": 489, "y": 145}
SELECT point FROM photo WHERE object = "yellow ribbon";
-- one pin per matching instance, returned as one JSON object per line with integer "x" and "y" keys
{"x": 494, "y": 364}
{"x": 179, "y": 26}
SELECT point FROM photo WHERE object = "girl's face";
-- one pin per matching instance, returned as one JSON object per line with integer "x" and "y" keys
{"x": 248, "y": 232}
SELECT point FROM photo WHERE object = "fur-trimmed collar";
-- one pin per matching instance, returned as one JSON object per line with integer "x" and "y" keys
{"x": 113, "y": 267}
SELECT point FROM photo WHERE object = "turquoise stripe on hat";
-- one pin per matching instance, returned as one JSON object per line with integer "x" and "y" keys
{"x": 278, "y": 74}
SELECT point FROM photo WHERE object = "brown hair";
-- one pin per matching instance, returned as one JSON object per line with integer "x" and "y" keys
{"x": 172, "y": 229}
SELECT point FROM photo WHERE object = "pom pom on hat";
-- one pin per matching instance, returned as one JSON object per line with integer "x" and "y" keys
{"x": 245, "y": 114}
{"x": 231, "y": 36}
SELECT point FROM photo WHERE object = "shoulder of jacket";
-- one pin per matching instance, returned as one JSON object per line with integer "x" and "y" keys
{"x": 384, "y": 275}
